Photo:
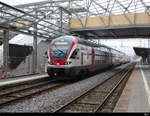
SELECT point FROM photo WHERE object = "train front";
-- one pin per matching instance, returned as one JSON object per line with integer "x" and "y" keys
{"x": 59, "y": 63}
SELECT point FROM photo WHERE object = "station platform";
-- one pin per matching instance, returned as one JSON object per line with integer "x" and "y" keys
{"x": 136, "y": 94}
{"x": 17, "y": 80}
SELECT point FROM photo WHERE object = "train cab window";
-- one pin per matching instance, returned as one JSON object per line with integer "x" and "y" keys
{"x": 75, "y": 53}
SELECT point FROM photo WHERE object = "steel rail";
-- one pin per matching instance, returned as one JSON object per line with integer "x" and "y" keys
{"x": 19, "y": 96}
{"x": 25, "y": 88}
{"x": 111, "y": 92}
{"x": 85, "y": 93}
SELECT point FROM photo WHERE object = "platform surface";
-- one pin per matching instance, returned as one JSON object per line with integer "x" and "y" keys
{"x": 14, "y": 80}
{"x": 136, "y": 94}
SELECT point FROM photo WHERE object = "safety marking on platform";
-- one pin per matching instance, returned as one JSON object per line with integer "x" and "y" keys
{"x": 146, "y": 86}
{"x": 122, "y": 104}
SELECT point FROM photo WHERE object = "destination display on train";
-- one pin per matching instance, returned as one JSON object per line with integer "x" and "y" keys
{"x": 61, "y": 43}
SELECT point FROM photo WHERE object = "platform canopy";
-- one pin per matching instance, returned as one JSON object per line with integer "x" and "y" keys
{"x": 97, "y": 19}
{"x": 144, "y": 52}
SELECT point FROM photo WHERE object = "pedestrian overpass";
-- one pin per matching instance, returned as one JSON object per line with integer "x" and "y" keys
{"x": 129, "y": 25}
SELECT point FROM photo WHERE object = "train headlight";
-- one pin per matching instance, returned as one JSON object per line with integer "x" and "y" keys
{"x": 50, "y": 62}
{"x": 66, "y": 63}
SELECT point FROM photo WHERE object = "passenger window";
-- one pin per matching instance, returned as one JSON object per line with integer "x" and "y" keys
{"x": 74, "y": 54}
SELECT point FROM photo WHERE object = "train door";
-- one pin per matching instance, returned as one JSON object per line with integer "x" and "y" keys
{"x": 81, "y": 58}
{"x": 105, "y": 53}
{"x": 110, "y": 57}
{"x": 93, "y": 59}
{"x": 148, "y": 59}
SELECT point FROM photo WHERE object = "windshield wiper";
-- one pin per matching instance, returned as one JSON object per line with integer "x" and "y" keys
{"x": 60, "y": 50}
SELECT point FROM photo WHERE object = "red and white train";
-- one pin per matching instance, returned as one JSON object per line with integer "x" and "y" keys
{"x": 72, "y": 56}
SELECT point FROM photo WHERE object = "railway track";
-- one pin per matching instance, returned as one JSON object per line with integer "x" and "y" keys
{"x": 102, "y": 97}
{"x": 24, "y": 92}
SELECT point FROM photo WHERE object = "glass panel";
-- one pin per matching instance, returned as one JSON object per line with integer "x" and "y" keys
{"x": 60, "y": 47}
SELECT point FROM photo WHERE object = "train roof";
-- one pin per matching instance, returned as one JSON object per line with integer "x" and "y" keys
{"x": 91, "y": 44}
{"x": 112, "y": 49}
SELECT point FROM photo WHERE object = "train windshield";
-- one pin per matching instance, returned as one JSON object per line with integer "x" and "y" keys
{"x": 60, "y": 47}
